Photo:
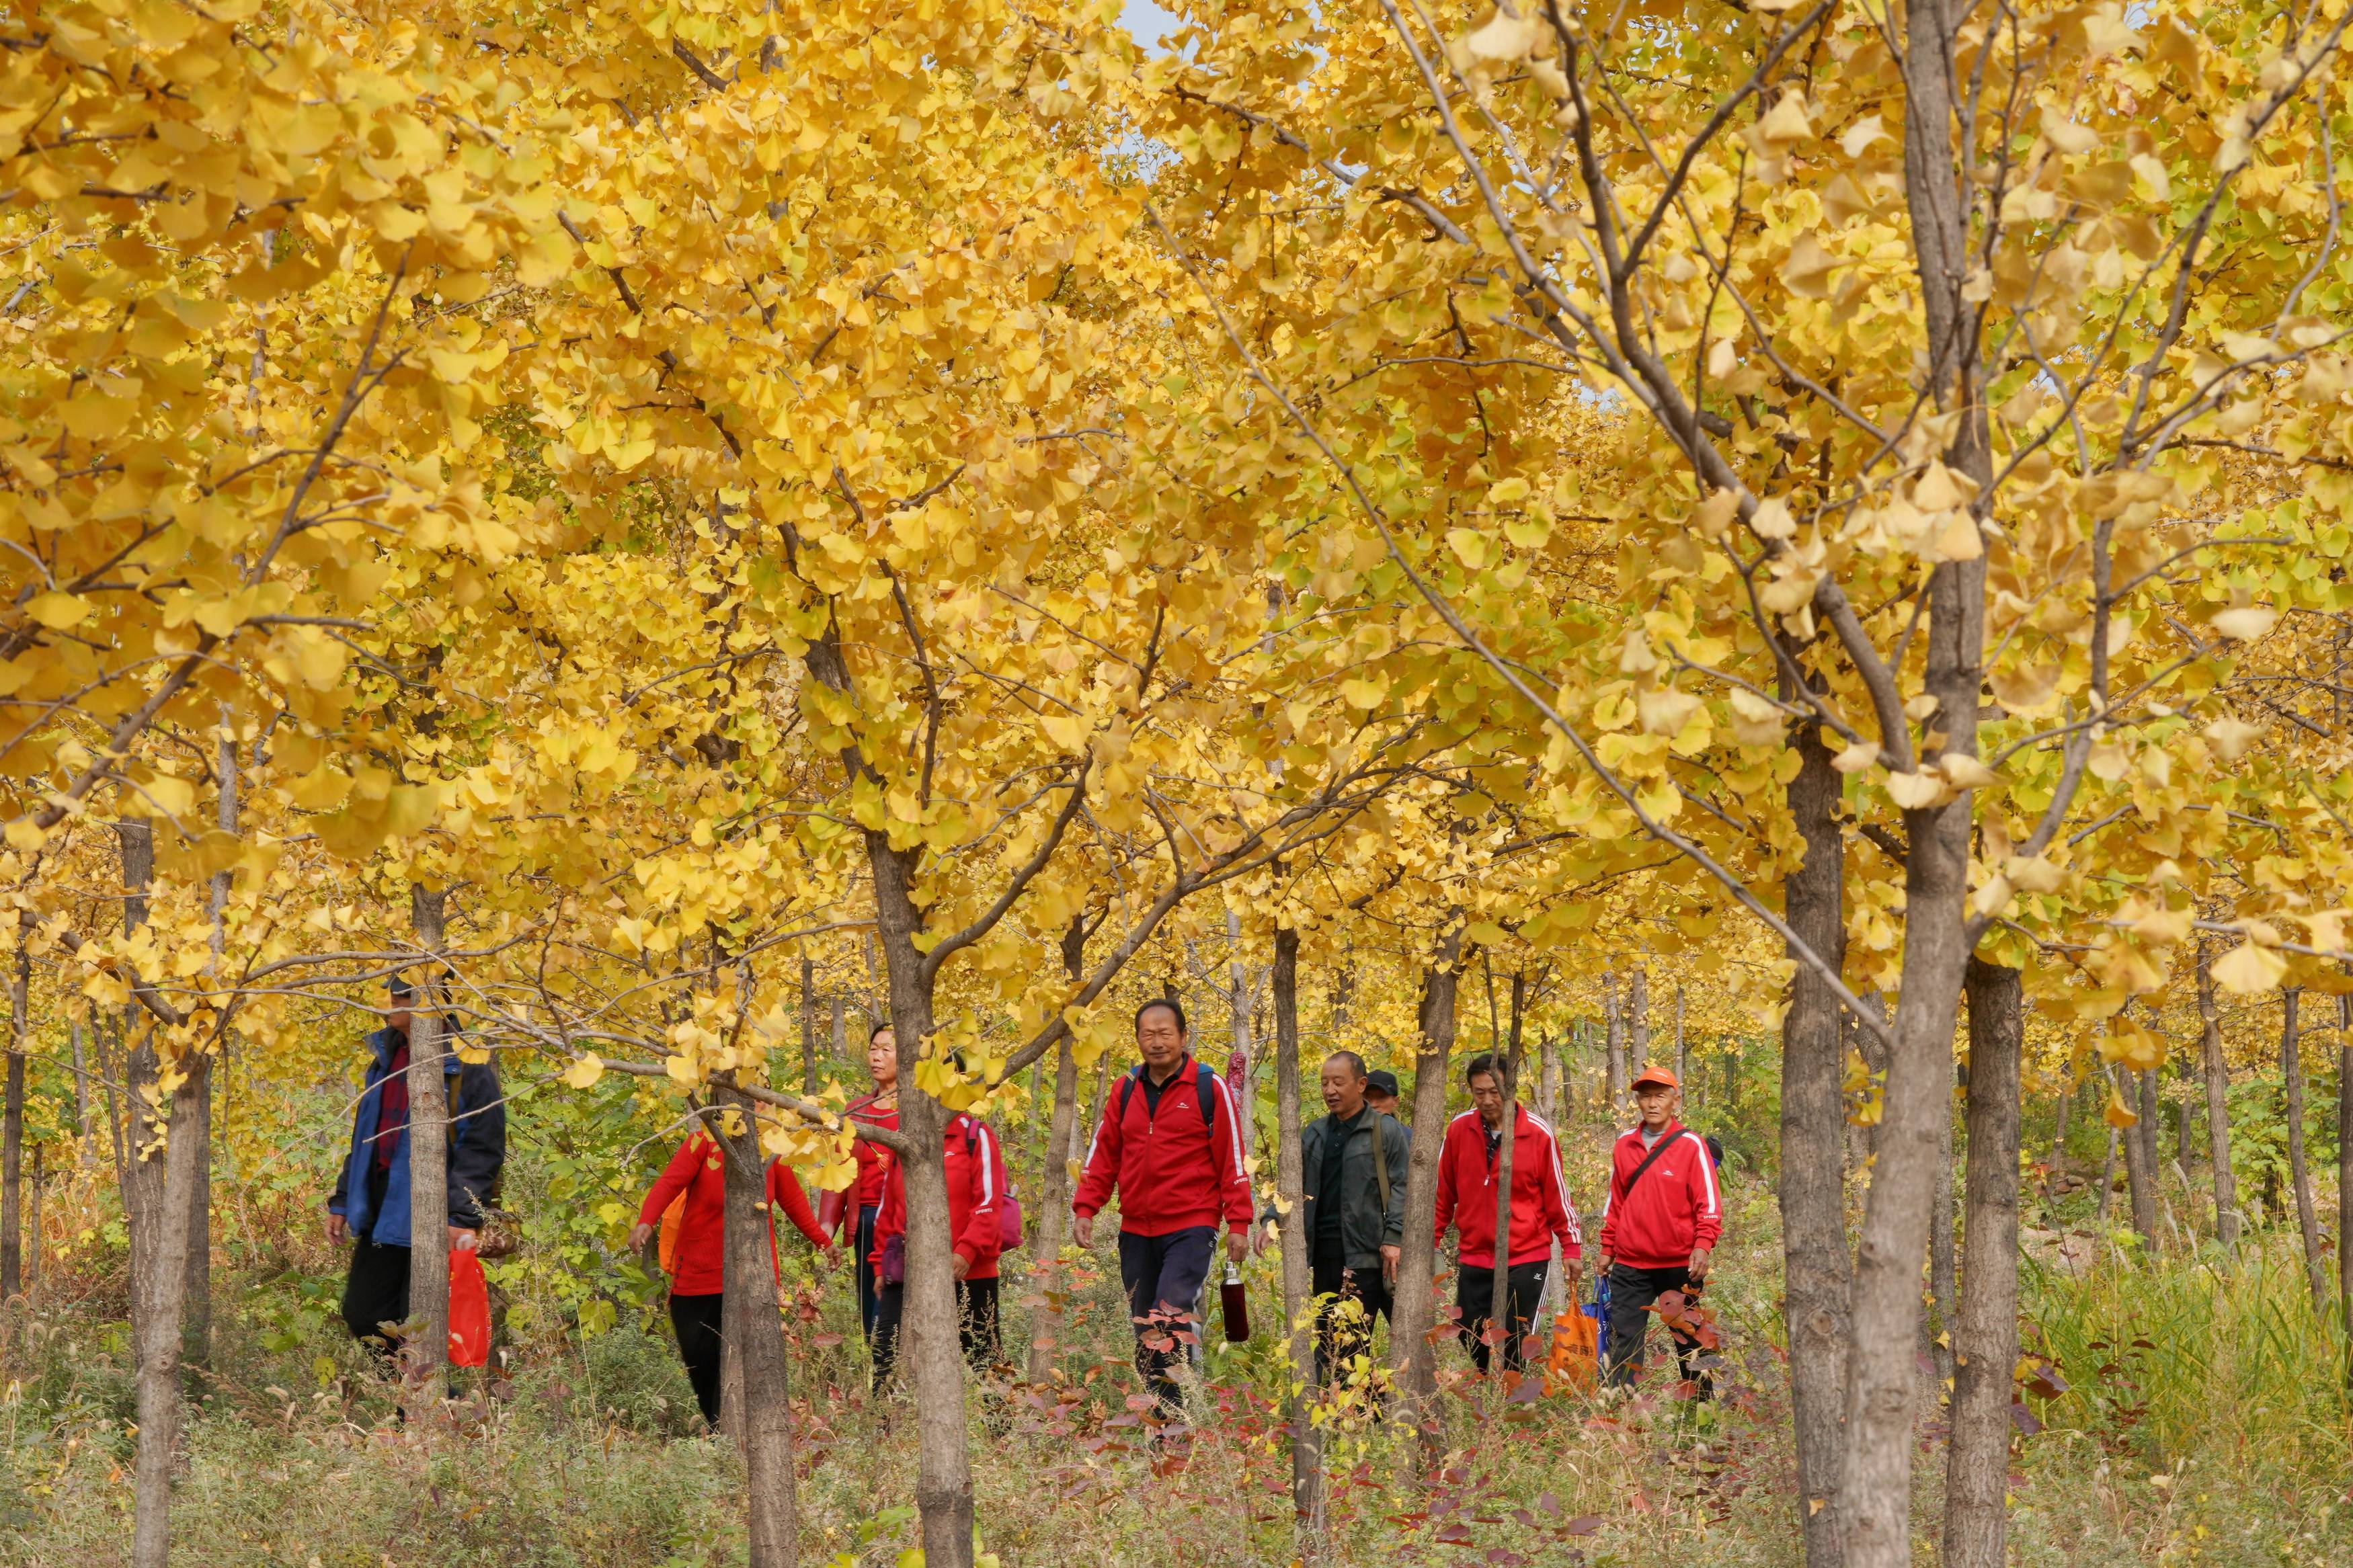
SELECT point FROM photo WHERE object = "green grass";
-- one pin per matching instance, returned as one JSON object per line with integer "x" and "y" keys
{"x": 2222, "y": 1436}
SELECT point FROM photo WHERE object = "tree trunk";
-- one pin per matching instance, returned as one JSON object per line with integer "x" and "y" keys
{"x": 426, "y": 1354}
{"x": 33, "y": 1222}
{"x": 12, "y": 1131}
{"x": 2299, "y": 1173}
{"x": 2139, "y": 1175}
{"x": 196, "y": 1327}
{"x": 930, "y": 1349}
{"x": 1054, "y": 1185}
{"x": 2344, "y": 1178}
{"x": 1638, "y": 1020}
{"x": 808, "y": 1025}
{"x": 1237, "y": 1012}
{"x": 1298, "y": 1243}
{"x": 1683, "y": 1051}
{"x": 1937, "y": 1328}
{"x": 1613, "y": 1081}
{"x": 1985, "y": 1343}
{"x": 2151, "y": 1123}
{"x": 1499, "y": 1317}
{"x": 1816, "y": 1268}
{"x": 2217, "y": 1108}
{"x": 2057, "y": 1183}
{"x": 1414, "y": 1309}
{"x": 763, "y": 1418}
{"x": 2108, "y": 1177}
{"x": 840, "y": 1027}
{"x": 81, "y": 1093}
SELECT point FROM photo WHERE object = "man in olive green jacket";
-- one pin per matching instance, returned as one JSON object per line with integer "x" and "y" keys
{"x": 1353, "y": 1213}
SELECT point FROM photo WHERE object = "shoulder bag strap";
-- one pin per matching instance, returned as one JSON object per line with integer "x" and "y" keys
{"x": 1648, "y": 1161}
{"x": 1381, "y": 1167}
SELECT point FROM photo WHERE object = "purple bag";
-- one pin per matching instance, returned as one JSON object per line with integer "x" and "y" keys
{"x": 1009, "y": 1223}
{"x": 891, "y": 1263}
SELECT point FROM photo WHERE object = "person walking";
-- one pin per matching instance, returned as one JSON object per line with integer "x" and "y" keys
{"x": 370, "y": 1204}
{"x": 698, "y": 1270}
{"x": 976, "y": 1172}
{"x": 1381, "y": 1094}
{"x": 1541, "y": 1213}
{"x": 1660, "y": 1226}
{"x": 1170, "y": 1145}
{"x": 858, "y": 1210}
{"x": 1354, "y": 1161}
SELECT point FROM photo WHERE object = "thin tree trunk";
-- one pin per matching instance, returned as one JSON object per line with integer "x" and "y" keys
{"x": 1938, "y": 1327}
{"x": 2108, "y": 1177}
{"x": 1985, "y": 1333}
{"x": 930, "y": 1348}
{"x": 808, "y": 1025}
{"x": 1298, "y": 1242}
{"x": 840, "y": 1027}
{"x": 1816, "y": 1267}
{"x": 1638, "y": 1022}
{"x": 763, "y": 1419}
{"x": 426, "y": 1355}
{"x": 1239, "y": 1014}
{"x": 1414, "y": 1307}
{"x": 2057, "y": 1183}
{"x": 1613, "y": 1082}
{"x": 2151, "y": 1123}
{"x": 2299, "y": 1173}
{"x": 196, "y": 1327}
{"x": 1054, "y": 1186}
{"x": 1683, "y": 1052}
{"x": 33, "y": 1222}
{"x": 2217, "y": 1108}
{"x": 1499, "y": 1318}
{"x": 12, "y": 1128}
{"x": 2344, "y": 1178}
{"x": 2138, "y": 1173}
{"x": 81, "y": 1093}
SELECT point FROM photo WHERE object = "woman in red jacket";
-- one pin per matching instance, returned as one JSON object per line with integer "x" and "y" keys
{"x": 697, "y": 1274}
{"x": 976, "y": 1165}
{"x": 857, "y": 1210}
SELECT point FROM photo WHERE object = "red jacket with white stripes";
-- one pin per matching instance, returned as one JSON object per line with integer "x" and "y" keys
{"x": 1540, "y": 1206}
{"x": 698, "y": 1265}
{"x": 1174, "y": 1168}
{"x": 1673, "y": 1211}
{"x": 976, "y": 1183}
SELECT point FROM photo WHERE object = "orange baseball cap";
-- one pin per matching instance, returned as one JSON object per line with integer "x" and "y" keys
{"x": 1662, "y": 1077}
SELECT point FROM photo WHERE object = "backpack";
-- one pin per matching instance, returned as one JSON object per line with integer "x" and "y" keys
{"x": 1202, "y": 1091}
{"x": 1009, "y": 1210}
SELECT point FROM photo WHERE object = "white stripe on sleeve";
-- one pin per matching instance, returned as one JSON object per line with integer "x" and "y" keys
{"x": 1707, "y": 1169}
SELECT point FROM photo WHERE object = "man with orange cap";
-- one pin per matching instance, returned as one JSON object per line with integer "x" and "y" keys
{"x": 1662, "y": 1221}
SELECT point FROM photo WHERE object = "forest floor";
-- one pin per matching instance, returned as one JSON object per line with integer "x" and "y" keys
{"x": 2204, "y": 1420}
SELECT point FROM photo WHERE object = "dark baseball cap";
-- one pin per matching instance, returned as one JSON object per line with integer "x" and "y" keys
{"x": 1382, "y": 1081}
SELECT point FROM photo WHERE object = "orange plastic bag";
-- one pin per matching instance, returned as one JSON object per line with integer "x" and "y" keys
{"x": 674, "y": 1220}
{"x": 469, "y": 1310}
{"x": 1574, "y": 1365}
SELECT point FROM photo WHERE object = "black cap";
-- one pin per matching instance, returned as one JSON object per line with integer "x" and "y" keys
{"x": 1381, "y": 1081}
{"x": 398, "y": 986}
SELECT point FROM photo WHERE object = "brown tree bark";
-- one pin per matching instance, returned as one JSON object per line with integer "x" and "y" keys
{"x": 2217, "y": 1108}
{"x": 2344, "y": 1178}
{"x": 1054, "y": 1187}
{"x": 808, "y": 1025}
{"x": 1298, "y": 1243}
{"x": 33, "y": 1222}
{"x": 1683, "y": 1050}
{"x": 760, "y": 1390}
{"x": 12, "y": 1132}
{"x": 1613, "y": 1045}
{"x": 1817, "y": 1272}
{"x": 2299, "y": 1171}
{"x": 2108, "y": 1177}
{"x": 424, "y": 1355}
{"x": 196, "y": 1329}
{"x": 2140, "y": 1174}
{"x": 1937, "y": 1328}
{"x": 1413, "y": 1312}
{"x": 81, "y": 1092}
{"x": 1638, "y": 1022}
{"x": 1985, "y": 1331}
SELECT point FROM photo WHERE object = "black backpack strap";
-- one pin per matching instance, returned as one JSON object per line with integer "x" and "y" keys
{"x": 1127, "y": 1087}
{"x": 1205, "y": 1090}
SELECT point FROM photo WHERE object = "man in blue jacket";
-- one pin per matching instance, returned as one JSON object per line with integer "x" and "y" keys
{"x": 371, "y": 1201}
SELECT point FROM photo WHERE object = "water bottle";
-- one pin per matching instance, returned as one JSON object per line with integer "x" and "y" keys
{"x": 1236, "y": 1300}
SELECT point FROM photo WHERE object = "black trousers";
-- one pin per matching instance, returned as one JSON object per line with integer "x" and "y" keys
{"x": 1632, "y": 1292}
{"x": 1164, "y": 1275}
{"x": 870, "y": 1296}
{"x": 375, "y": 1292}
{"x": 1474, "y": 1293}
{"x": 696, "y": 1319}
{"x": 977, "y": 1325}
{"x": 1342, "y": 1334}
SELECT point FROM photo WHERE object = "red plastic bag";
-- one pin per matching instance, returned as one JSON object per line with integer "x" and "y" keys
{"x": 469, "y": 1310}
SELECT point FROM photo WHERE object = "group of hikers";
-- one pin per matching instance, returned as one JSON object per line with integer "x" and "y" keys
{"x": 1169, "y": 1147}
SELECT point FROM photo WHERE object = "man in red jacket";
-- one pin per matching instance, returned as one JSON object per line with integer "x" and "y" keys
{"x": 975, "y": 1167}
{"x": 1663, "y": 1220}
{"x": 1170, "y": 1142}
{"x": 1467, "y": 1165}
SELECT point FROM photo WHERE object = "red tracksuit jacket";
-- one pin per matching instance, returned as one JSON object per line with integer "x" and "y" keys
{"x": 694, "y": 1169}
{"x": 976, "y": 1182}
{"x": 1540, "y": 1206}
{"x": 1172, "y": 1171}
{"x": 837, "y": 1212}
{"x": 1676, "y": 1209}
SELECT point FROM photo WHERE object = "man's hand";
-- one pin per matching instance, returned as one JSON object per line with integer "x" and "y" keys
{"x": 1391, "y": 1254}
{"x": 640, "y": 1234}
{"x": 462, "y": 1239}
{"x": 1237, "y": 1244}
{"x": 1699, "y": 1262}
{"x": 828, "y": 1258}
{"x": 335, "y": 1230}
{"x": 960, "y": 1263}
{"x": 1083, "y": 1230}
{"x": 1569, "y": 1277}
